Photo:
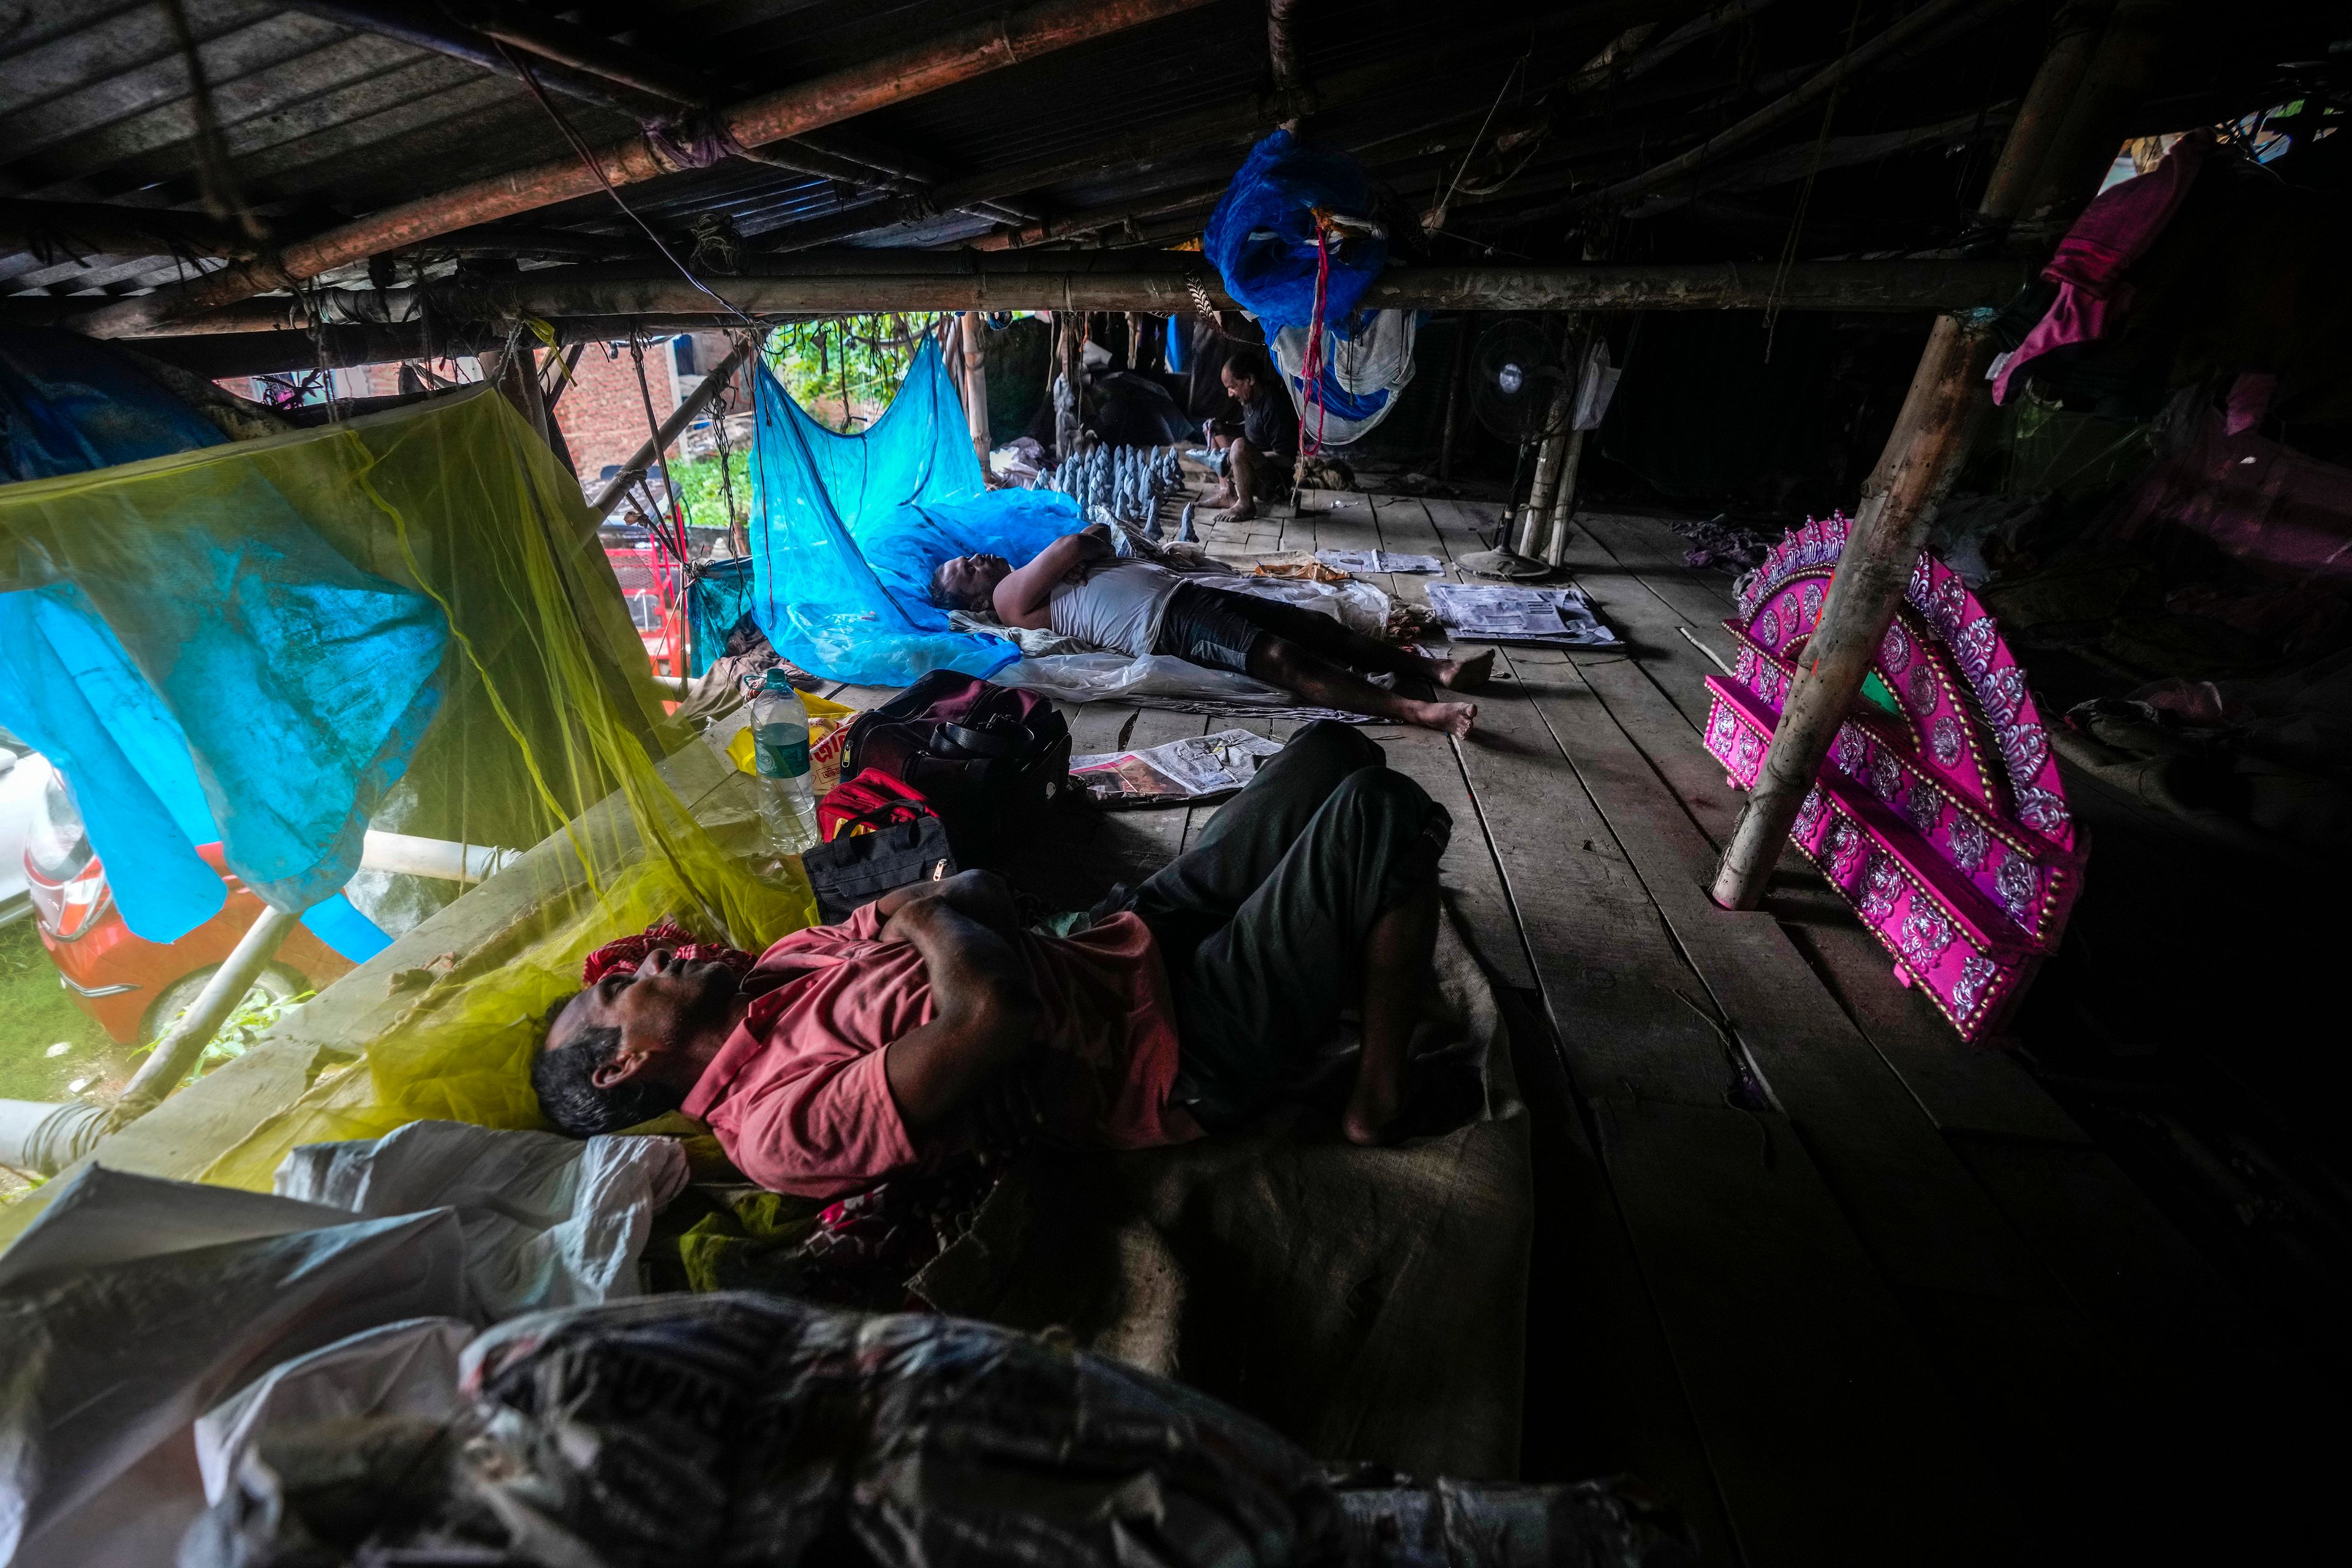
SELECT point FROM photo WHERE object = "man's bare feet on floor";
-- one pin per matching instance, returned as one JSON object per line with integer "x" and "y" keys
{"x": 1221, "y": 496}
{"x": 1453, "y": 718}
{"x": 1241, "y": 513}
{"x": 1467, "y": 674}
{"x": 1372, "y": 1112}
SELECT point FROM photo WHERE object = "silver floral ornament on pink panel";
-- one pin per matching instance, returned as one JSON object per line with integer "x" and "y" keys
{"x": 1969, "y": 842}
{"x": 1943, "y": 740}
{"x": 2042, "y": 811}
{"x": 1895, "y": 651}
{"x": 2019, "y": 888}
{"x": 1768, "y": 630}
{"x": 1885, "y": 776}
{"x": 1924, "y": 692}
{"x": 2004, "y": 693}
{"x": 1882, "y": 887}
{"x": 2026, "y": 746}
{"x": 1809, "y": 814}
{"x": 1926, "y": 809}
{"x": 1967, "y": 990}
{"x": 1925, "y": 933}
{"x": 1974, "y": 646}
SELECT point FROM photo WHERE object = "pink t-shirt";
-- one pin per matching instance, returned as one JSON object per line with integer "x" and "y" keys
{"x": 797, "y": 1096}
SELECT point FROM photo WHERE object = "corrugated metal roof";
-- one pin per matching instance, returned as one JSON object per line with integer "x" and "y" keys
{"x": 321, "y": 122}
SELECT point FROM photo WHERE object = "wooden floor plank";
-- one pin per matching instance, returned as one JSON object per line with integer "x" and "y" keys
{"x": 1852, "y": 1456}
{"x": 1629, "y": 1013}
{"x": 1603, "y": 1394}
{"x": 1649, "y": 546}
{"x": 2004, "y": 1331}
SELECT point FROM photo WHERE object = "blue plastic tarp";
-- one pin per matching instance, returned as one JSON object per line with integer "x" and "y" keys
{"x": 206, "y": 670}
{"x": 846, "y": 531}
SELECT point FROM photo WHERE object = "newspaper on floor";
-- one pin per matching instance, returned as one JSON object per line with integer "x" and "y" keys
{"x": 1180, "y": 772}
{"x": 1483, "y": 612}
{"x": 1378, "y": 561}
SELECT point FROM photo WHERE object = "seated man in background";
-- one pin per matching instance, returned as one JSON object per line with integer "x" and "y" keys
{"x": 1078, "y": 586}
{"x": 1258, "y": 447}
{"x": 930, "y": 1020}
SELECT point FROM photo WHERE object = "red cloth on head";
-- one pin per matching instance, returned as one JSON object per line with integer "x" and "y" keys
{"x": 625, "y": 954}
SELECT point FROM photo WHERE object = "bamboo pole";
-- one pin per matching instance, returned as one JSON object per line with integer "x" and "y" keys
{"x": 975, "y": 385}
{"x": 956, "y": 57}
{"x": 1929, "y": 441}
{"x": 1148, "y": 287}
{"x": 686, "y": 412}
{"x": 177, "y": 1054}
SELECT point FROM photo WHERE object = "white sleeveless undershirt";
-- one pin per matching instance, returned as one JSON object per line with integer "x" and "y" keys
{"x": 1114, "y": 604}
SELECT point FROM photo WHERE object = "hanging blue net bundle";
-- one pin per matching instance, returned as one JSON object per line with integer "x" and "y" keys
{"x": 1262, "y": 238}
{"x": 847, "y": 530}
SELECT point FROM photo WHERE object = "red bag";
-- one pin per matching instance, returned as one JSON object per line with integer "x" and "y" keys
{"x": 872, "y": 800}
{"x": 988, "y": 758}
{"x": 878, "y": 834}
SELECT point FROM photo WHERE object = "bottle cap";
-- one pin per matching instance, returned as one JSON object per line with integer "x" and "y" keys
{"x": 775, "y": 678}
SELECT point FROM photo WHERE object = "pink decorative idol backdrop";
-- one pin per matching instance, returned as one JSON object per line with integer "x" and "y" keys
{"x": 1940, "y": 815}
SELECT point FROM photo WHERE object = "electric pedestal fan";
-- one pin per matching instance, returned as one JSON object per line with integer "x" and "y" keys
{"x": 1517, "y": 388}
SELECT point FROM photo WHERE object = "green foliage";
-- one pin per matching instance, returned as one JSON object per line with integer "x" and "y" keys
{"x": 863, "y": 357}
{"x": 242, "y": 1030}
{"x": 699, "y": 487}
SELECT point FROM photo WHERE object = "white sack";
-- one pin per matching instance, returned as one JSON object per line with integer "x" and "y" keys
{"x": 401, "y": 1369}
{"x": 99, "y": 1216}
{"x": 108, "y": 1366}
{"x": 548, "y": 1221}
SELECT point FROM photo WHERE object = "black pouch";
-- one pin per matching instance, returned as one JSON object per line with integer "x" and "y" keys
{"x": 850, "y": 871}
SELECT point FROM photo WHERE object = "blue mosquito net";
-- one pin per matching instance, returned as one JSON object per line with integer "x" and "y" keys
{"x": 1261, "y": 239}
{"x": 847, "y": 530}
{"x": 191, "y": 655}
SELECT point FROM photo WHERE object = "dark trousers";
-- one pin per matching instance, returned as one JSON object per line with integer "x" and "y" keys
{"x": 1263, "y": 923}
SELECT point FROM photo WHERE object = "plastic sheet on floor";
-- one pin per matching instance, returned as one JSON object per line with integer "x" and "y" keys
{"x": 120, "y": 1333}
{"x": 548, "y": 1221}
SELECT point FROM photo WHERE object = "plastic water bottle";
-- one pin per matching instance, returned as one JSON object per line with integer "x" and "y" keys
{"x": 779, "y": 751}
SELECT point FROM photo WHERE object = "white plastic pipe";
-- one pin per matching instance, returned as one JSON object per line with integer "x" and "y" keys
{"x": 440, "y": 859}
{"x": 43, "y": 1138}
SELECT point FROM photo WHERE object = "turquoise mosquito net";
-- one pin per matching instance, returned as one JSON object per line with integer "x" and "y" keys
{"x": 846, "y": 531}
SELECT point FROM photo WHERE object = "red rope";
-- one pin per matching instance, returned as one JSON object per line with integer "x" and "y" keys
{"x": 1312, "y": 371}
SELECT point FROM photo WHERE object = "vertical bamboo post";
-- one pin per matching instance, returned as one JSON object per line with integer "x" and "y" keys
{"x": 1931, "y": 435}
{"x": 1535, "y": 518}
{"x": 975, "y": 385}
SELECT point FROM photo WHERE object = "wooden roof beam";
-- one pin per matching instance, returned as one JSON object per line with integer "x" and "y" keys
{"x": 1898, "y": 41}
{"x": 1237, "y": 121}
{"x": 1150, "y": 282}
{"x": 956, "y": 57}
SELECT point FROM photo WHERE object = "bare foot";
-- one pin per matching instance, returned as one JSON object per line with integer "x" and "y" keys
{"x": 1221, "y": 496}
{"x": 1372, "y": 1112}
{"x": 1467, "y": 674}
{"x": 1240, "y": 513}
{"x": 1453, "y": 718}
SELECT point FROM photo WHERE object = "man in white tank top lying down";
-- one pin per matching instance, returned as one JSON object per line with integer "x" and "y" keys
{"x": 1080, "y": 589}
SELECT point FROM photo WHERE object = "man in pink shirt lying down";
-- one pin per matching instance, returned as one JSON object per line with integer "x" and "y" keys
{"x": 848, "y": 1053}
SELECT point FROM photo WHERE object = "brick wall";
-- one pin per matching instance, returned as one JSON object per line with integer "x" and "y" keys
{"x": 602, "y": 414}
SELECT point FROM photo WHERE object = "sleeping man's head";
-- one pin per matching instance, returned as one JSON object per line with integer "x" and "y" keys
{"x": 633, "y": 1045}
{"x": 969, "y": 583}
